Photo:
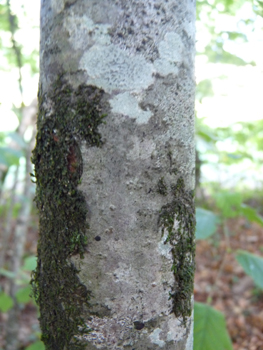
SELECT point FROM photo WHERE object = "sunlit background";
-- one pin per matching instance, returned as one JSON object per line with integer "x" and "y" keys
{"x": 229, "y": 181}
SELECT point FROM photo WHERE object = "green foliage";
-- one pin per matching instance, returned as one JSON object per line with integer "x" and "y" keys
{"x": 6, "y": 302}
{"x": 231, "y": 205}
{"x": 23, "y": 295}
{"x": 18, "y": 139}
{"x": 6, "y": 273}
{"x": 209, "y": 325}
{"x": 243, "y": 138}
{"x": 32, "y": 60}
{"x": 36, "y": 346}
{"x": 258, "y": 7}
{"x": 210, "y": 331}
{"x": 9, "y": 156}
{"x": 228, "y": 202}
{"x": 15, "y": 53}
{"x": 22, "y": 279}
{"x": 249, "y": 135}
{"x": 16, "y": 210}
{"x": 216, "y": 54}
{"x": 4, "y": 23}
{"x": 251, "y": 214}
{"x": 204, "y": 89}
{"x": 229, "y": 6}
{"x": 206, "y": 136}
{"x": 206, "y": 223}
{"x": 208, "y": 14}
{"x": 253, "y": 266}
{"x": 30, "y": 263}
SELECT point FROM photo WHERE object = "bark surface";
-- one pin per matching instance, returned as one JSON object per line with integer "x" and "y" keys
{"x": 138, "y": 180}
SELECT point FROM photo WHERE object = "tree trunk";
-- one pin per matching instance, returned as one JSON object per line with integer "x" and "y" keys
{"x": 114, "y": 165}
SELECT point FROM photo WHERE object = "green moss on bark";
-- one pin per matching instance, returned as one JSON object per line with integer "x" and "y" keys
{"x": 66, "y": 117}
{"x": 178, "y": 219}
{"x": 162, "y": 187}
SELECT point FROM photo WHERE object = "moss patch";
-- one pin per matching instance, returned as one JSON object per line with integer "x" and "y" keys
{"x": 66, "y": 116}
{"x": 178, "y": 219}
{"x": 162, "y": 187}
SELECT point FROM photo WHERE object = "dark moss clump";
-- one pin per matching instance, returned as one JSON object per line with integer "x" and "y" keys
{"x": 181, "y": 237}
{"x": 73, "y": 115}
{"x": 162, "y": 187}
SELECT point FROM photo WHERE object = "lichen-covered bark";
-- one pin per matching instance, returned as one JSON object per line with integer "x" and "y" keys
{"x": 137, "y": 182}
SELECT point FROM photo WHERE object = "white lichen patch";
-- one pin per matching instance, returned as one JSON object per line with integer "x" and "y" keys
{"x": 112, "y": 69}
{"x": 176, "y": 330}
{"x": 108, "y": 332}
{"x": 80, "y": 27}
{"x": 122, "y": 273}
{"x": 127, "y": 104}
{"x": 155, "y": 338}
{"x": 164, "y": 247}
{"x": 171, "y": 53}
{"x": 170, "y": 336}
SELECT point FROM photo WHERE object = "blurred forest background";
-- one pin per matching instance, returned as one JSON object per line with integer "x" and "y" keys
{"x": 229, "y": 182}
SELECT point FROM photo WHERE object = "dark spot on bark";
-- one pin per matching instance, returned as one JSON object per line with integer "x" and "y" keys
{"x": 97, "y": 238}
{"x": 138, "y": 325}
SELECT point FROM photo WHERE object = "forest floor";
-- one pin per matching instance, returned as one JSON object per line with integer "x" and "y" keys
{"x": 219, "y": 278}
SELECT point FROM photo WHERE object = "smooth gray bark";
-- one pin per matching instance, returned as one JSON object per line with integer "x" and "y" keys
{"x": 141, "y": 53}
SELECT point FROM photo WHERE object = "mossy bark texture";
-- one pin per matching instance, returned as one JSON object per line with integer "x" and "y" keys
{"x": 114, "y": 167}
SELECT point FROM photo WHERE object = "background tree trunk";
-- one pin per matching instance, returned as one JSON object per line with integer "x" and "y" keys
{"x": 114, "y": 162}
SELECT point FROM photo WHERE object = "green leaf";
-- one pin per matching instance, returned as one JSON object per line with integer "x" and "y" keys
{"x": 216, "y": 54}
{"x": 204, "y": 89}
{"x": 30, "y": 263}
{"x": 210, "y": 331}
{"x": 251, "y": 214}
{"x": 18, "y": 139}
{"x": 4, "y": 23}
{"x": 206, "y": 223}
{"x": 9, "y": 156}
{"x": 253, "y": 266}
{"x": 22, "y": 295}
{"x": 6, "y": 302}
{"x": 229, "y": 203}
{"x": 237, "y": 35}
{"x": 6, "y": 273}
{"x": 36, "y": 346}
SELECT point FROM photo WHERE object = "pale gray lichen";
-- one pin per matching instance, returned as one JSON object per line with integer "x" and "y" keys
{"x": 114, "y": 69}
{"x": 155, "y": 338}
{"x": 83, "y": 26}
{"x": 165, "y": 248}
{"x": 127, "y": 104}
{"x": 170, "y": 50}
